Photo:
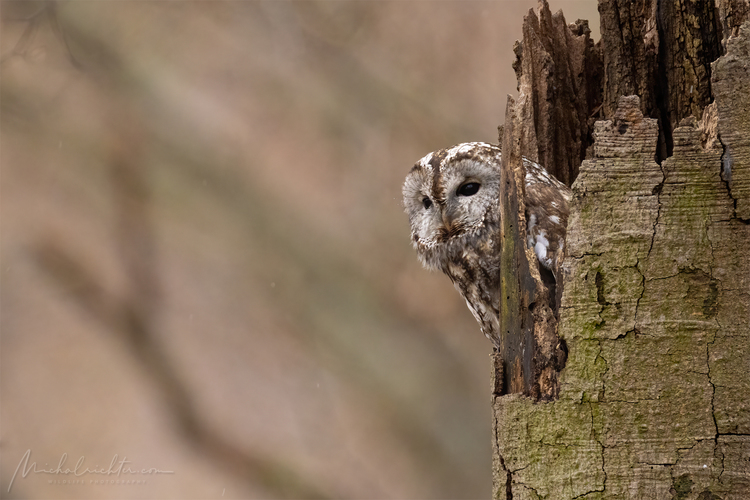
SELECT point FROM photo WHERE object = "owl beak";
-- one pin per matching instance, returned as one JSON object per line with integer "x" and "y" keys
{"x": 449, "y": 227}
{"x": 448, "y": 218}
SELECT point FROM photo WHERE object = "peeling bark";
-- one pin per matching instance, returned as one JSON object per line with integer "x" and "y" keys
{"x": 660, "y": 51}
{"x": 653, "y": 401}
{"x": 528, "y": 358}
{"x": 731, "y": 15}
{"x": 731, "y": 84}
{"x": 559, "y": 72}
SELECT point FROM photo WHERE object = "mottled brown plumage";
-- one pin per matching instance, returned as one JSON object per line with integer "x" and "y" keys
{"x": 452, "y": 197}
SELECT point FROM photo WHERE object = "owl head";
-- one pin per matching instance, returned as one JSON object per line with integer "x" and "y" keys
{"x": 452, "y": 199}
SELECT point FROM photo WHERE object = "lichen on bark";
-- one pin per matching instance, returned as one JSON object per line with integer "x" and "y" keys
{"x": 655, "y": 312}
{"x": 653, "y": 400}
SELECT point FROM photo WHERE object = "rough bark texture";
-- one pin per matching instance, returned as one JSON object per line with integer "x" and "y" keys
{"x": 530, "y": 355}
{"x": 731, "y": 84}
{"x": 732, "y": 13}
{"x": 662, "y": 52}
{"x": 559, "y": 74}
{"x": 519, "y": 288}
{"x": 653, "y": 401}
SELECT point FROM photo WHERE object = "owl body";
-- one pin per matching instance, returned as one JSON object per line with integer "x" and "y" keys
{"x": 452, "y": 197}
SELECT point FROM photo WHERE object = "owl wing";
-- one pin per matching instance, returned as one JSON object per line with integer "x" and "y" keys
{"x": 547, "y": 209}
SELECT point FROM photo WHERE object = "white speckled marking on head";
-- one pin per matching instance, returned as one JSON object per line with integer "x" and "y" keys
{"x": 424, "y": 162}
{"x": 470, "y": 254}
{"x": 462, "y": 149}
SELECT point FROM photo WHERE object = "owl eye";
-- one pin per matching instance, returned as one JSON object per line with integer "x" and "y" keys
{"x": 468, "y": 189}
{"x": 426, "y": 202}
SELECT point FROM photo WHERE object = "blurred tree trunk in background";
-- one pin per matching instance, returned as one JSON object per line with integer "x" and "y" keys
{"x": 654, "y": 399}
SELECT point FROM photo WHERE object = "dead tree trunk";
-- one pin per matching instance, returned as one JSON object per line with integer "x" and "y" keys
{"x": 654, "y": 400}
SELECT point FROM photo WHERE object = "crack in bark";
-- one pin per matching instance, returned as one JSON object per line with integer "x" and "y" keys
{"x": 665, "y": 143}
{"x": 508, "y": 473}
{"x": 713, "y": 397}
{"x": 602, "y": 391}
{"x": 695, "y": 281}
{"x": 725, "y": 172}
{"x": 657, "y": 191}
{"x": 635, "y": 329}
{"x": 713, "y": 391}
{"x": 727, "y": 162}
{"x": 597, "y": 438}
{"x": 586, "y": 254}
{"x": 718, "y": 324}
{"x": 536, "y": 493}
{"x": 508, "y": 478}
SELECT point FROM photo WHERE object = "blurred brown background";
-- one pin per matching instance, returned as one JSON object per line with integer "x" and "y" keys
{"x": 205, "y": 264}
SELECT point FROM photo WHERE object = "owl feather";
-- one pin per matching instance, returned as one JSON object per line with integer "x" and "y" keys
{"x": 452, "y": 197}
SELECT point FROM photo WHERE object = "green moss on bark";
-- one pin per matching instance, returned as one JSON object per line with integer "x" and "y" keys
{"x": 655, "y": 311}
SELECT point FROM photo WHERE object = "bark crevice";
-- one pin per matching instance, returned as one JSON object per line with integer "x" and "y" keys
{"x": 655, "y": 251}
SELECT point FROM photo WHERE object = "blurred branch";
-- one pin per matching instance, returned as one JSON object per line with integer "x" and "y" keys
{"x": 43, "y": 11}
{"x": 32, "y": 25}
{"x": 261, "y": 217}
{"x": 133, "y": 317}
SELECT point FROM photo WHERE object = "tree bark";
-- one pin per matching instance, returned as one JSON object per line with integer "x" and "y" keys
{"x": 521, "y": 288}
{"x": 530, "y": 353}
{"x": 559, "y": 72}
{"x": 662, "y": 52}
{"x": 654, "y": 401}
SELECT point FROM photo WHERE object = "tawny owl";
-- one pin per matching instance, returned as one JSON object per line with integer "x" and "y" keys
{"x": 452, "y": 197}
